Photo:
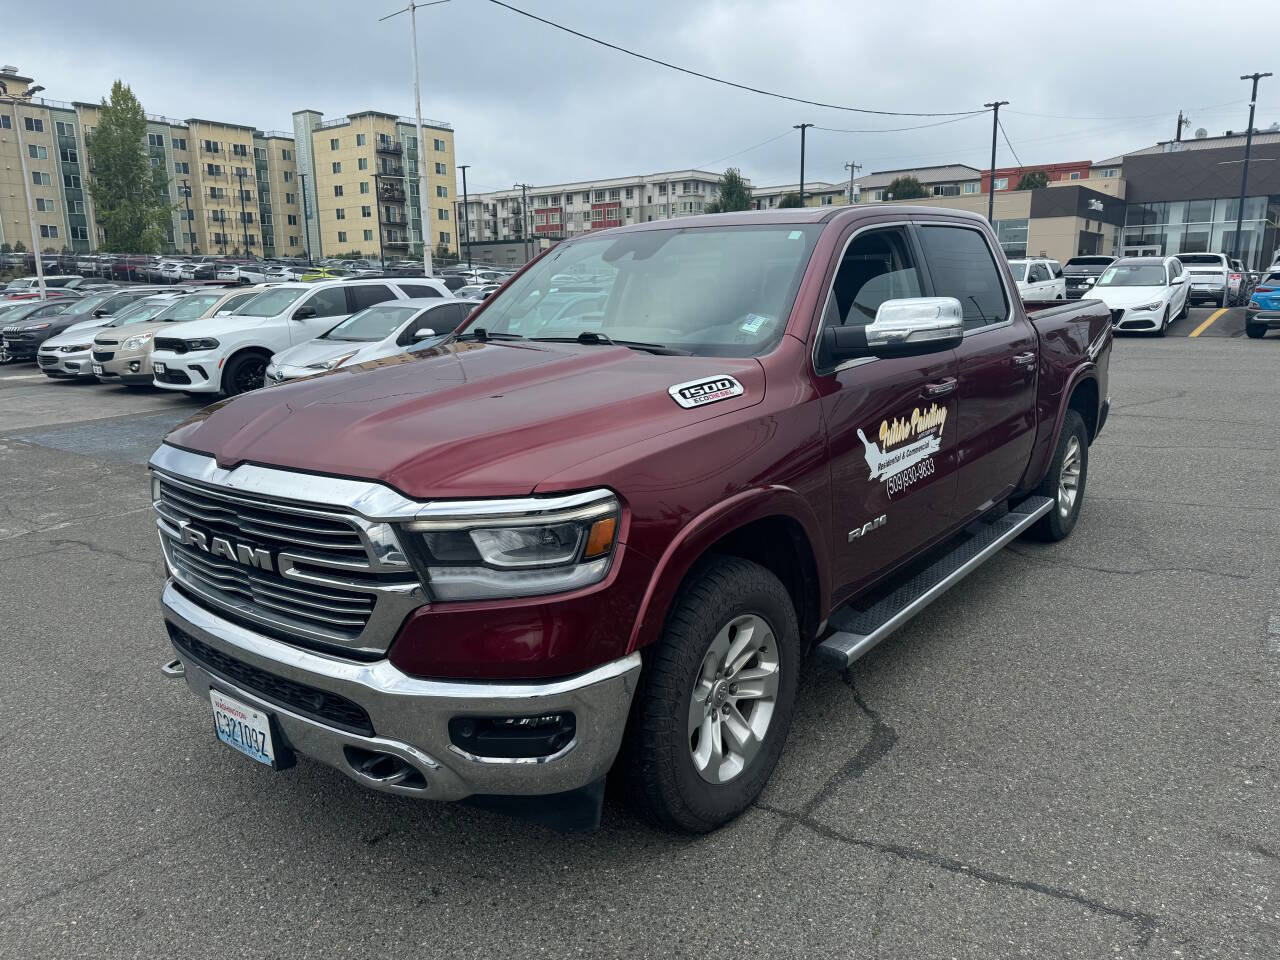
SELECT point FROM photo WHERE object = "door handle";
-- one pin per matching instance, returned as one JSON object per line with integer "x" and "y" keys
{"x": 943, "y": 388}
{"x": 1027, "y": 359}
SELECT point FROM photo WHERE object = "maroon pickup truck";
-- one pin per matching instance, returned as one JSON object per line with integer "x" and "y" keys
{"x": 600, "y": 528}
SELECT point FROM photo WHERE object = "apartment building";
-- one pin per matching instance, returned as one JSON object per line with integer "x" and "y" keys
{"x": 279, "y": 203}
{"x": 360, "y": 183}
{"x": 816, "y": 194}
{"x": 562, "y": 210}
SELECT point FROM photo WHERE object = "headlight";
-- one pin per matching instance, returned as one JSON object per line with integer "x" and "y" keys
{"x": 483, "y": 550}
{"x": 330, "y": 364}
{"x": 133, "y": 343}
{"x": 202, "y": 343}
{"x": 1089, "y": 281}
{"x": 37, "y": 326}
{"x": 1153, "y": 305}
{"x": 75, "y": 348}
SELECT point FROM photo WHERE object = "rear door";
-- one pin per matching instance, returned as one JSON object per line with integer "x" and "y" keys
{"x": 890, "y": 422}
{"x": 997, "y": 364}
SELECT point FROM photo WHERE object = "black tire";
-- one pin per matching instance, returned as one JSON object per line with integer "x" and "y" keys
{"x": 1254, "y": 331}
{"x": 1057, "y": 524}
{"x": 246, "y": 372}
{"x": 1164, "y": 324}
{"x": 656, "y": 765}
{"x": 1186, "y": 309}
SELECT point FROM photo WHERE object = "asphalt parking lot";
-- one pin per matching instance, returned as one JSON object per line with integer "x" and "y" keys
{"x": 1076, "y": 753}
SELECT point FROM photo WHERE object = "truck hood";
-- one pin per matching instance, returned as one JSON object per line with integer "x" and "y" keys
{"x": 465, "y": 419}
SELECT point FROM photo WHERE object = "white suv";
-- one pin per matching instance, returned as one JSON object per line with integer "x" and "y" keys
{"x": 229, "y": 354}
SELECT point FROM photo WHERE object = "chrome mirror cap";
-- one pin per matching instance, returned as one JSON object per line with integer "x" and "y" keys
{"x": 918, "y": 320}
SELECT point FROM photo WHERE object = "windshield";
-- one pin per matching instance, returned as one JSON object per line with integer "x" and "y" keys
{"x": 136, "y": 313}
{"x": 88, "y": 304}
{"x": 190, "y": 308}
{"x": 270, "y": 302}
{"x": 372, "y": 323}
{"x": 711, "y": 291}
{"x": 1134, "y": 275}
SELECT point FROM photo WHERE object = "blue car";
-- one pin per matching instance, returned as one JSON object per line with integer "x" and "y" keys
{"x": 1263, "y": 310}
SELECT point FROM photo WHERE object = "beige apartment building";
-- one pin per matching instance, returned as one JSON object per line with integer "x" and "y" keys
{"x": 360, "y": 184}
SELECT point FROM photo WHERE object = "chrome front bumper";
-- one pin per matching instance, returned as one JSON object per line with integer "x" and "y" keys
{"x": 410, "y": 716}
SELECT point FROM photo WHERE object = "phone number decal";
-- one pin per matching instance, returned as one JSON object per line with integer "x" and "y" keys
{"x": 900, "y": 482}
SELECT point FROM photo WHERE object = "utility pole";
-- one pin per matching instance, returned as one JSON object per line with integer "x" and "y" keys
{"x": 306, "y": 218}
{"x": 26, "y": 179}
{"x": 191, "y": 235}
{"x": 995, "y": 128}
{"x": 1177, "y": 135}
{"x": 853, "y": 168}
{"x": 524, "y": 217}
{"x": 466, "y": 214}
{"x": 422, "y": 150}
{"x": 244, "y": 224}
{"x": 1244, "y": 173}
{"x": 802, "y": 127}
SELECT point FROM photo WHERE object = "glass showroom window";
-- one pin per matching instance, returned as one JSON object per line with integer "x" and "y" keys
{"x": 1012, "y": 235}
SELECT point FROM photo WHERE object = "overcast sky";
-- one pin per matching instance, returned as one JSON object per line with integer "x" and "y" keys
{"x": 530, "y": 103}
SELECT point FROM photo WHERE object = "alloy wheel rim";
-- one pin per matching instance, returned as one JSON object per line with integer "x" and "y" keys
{"x": 1069, "y": 478}
{"x": 734, "y": 695}
{"x": 251, "y": 376}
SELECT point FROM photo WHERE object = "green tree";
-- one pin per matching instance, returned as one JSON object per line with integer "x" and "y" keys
{"x": 734, "y": 194}
{"x": 442, "y": 252}
{"x": 905, "y": 188}
{"x": 791, "y": 199}
{"x": 19, "y": 247}
{"x": 5, "y": 248}
{"x": 128, "y": 192}
{"x": 1033, "y": 180}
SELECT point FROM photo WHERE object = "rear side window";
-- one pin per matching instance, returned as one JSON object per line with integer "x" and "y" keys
{"x": 1039, "y": 273}
{"x": 366, "y": 295}
{"x": 961, "y": 266}
{"x": 329, "y": 303}
{"x": 412, "y": 290}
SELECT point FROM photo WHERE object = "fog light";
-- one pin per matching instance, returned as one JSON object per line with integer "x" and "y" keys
{"x": 513, "y": 738}
{"x": 133, "y": 366}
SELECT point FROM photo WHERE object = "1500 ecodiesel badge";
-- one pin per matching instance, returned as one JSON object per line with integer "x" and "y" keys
{"x": 600, "y": 527}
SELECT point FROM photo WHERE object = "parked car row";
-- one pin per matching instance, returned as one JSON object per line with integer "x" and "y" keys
{"x": 222, "y": 340}
{"x": 1211, "y": 277}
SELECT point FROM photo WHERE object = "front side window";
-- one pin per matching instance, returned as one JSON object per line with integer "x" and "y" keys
{"x": 877, "y": 266}
{"x": 709, "y": 291}
{"x": 961, "y": 265}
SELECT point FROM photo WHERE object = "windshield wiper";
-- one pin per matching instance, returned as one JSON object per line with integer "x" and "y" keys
{"x": 481, "y": 334}
{"x": 592, "y": 337}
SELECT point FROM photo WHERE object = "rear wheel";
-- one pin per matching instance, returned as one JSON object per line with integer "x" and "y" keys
{"x": 1064, "y": 481}
{"x": 1254, "y": 331}
{"x": 246, "y": 372}
{"x": 716, "y": 697}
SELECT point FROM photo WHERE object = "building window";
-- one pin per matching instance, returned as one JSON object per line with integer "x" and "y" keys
{"x": 69, "y": 180}
{"x": 337, "y": 168}
{"x": 366, "y": 212}
{"x": 1002, "y": 183}
{"x": 293, "y": 240}
{"x": 239, "y": 149}
{"x": 286, "y": 154}
{"x": 368, "y": 235}
{"x": 342, "y": 236}
{"x": 442, "y": 214}
{"x": 292, "y": 219}
{"x": 441, "y": 169}
{"x": 182, "y": 166}
{"x": 290, "y": 198}
{"x": 340, "y": 213}
{"x": 75, "y": 206}
{"x": 1075, "y": 175}
{"x": 4, "y": 121}
{"x": 64, "y": 129}
{"x": 213, "y": 169}
{"x": 337, "y": 190}
{"x": 597, "y": 214}
{"x": 439, "y": 145}
{"x": 971, "y": 187}
{"x": 1012, "y": 235}
{"x": 364, "y": 186}
{"x": 79, "y": 233}
{"x": 877, "y": 195}
{"x": 444, "y": 237}
{"x": 1110, "y": 172}
{"x": 362, "y": 163}
{"x": 155, "y": 140}
{"x": 211, "y": 146}
{"x": 359, "y": 139}
{"x": 34, "y": 124}
{"x": 48, "y": 231}
{"x": 441, "y": 190}
{"x": 45, "y": 206}
{"x": 180, "y": 143}
{"x": 333, "y": 144}
{"x": 259, "y": 153}
{"x": 37, "y": 152}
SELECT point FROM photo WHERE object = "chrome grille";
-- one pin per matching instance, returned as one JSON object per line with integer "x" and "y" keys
{"x": 323, "y": 585}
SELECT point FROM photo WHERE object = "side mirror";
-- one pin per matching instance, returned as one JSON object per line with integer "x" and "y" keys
{"x": 100, "y": 313}
{"x": 901, "y": 328}
{"x": 304, "y": 313}
{"x": 1179, "y": 279}
{"x": 423, "y": 333}
{"x": 1090, "y": 281}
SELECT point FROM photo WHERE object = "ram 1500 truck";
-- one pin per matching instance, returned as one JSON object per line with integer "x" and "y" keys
{"x": 602, "y": 538}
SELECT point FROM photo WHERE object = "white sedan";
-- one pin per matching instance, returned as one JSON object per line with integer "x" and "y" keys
{"x": 1143, "y": 293}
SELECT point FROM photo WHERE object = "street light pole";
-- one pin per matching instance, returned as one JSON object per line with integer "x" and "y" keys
{"x": 466, "y": 214}
{"x": 26, "y": 180}
{"x": 422, "y": 150}
{"x": 525, "y": 219}
{"x": 1244, "y": 173}
{"x": 802, "y": 127}
{"x": 244, "y": 224}
{"x": 995, "y": 127}
{"x": 186, "y": 198}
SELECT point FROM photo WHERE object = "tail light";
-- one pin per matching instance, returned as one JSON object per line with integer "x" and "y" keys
{"x": 1266, "y": 290}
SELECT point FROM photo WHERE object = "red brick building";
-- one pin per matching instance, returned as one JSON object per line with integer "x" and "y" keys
{"x": 1007, "y": 177}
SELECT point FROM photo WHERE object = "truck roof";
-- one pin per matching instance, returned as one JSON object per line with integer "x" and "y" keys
{"x": 824, "y": 214}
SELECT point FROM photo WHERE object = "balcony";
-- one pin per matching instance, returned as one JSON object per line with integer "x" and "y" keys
{"x": 389, "y": 146}
{"x": 391, "y": 193}
{"x": 396, "y": 244}
{"x": 390, "y": 170}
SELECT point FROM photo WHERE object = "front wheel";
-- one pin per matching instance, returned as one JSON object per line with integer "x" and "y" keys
{"x": 1254, "y": 331}
{"x": 1164, "y": 324}
{"x": 1186, "y": 309}
{"x": 1064, "y": 481}
{"x": 716, "y": 697}
{"x": 246, "y": 372}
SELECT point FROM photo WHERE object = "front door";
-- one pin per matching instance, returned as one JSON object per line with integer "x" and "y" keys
{"x": 319, "y": 312}
{"x": 997, "y": 366}
{"x": 891, "y": 423}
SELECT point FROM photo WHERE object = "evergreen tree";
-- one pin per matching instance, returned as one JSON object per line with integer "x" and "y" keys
{"x": 130, "y": 196}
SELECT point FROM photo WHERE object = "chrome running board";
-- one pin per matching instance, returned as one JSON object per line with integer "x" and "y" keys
{"x": 858, "y": 631}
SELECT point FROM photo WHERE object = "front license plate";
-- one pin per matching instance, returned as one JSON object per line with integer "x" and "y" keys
{"x": 97, "y": 369}
{"x": 242, "y": 727}
{"x": 158, "y": 367}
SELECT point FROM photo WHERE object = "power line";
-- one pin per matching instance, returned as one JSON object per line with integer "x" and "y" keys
{"x": 1144, "y": 116}
{"x": 1005, "y": 134}
{"x": 727, "y": 83}
{"x": 919, "y": 126}
{"x": 784, "y": 133}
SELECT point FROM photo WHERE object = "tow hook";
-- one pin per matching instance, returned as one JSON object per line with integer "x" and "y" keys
{"x": 174, "y": 669}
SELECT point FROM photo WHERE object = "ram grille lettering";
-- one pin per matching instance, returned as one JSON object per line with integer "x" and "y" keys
{"x": 224, "y": 547}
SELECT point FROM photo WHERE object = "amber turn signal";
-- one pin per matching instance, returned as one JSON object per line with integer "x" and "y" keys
{"x": 600, "y": 539}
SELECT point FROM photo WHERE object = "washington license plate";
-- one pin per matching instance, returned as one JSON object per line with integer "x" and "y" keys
{"x": 97, "y": 369}
{"x": 243, "y": 728}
